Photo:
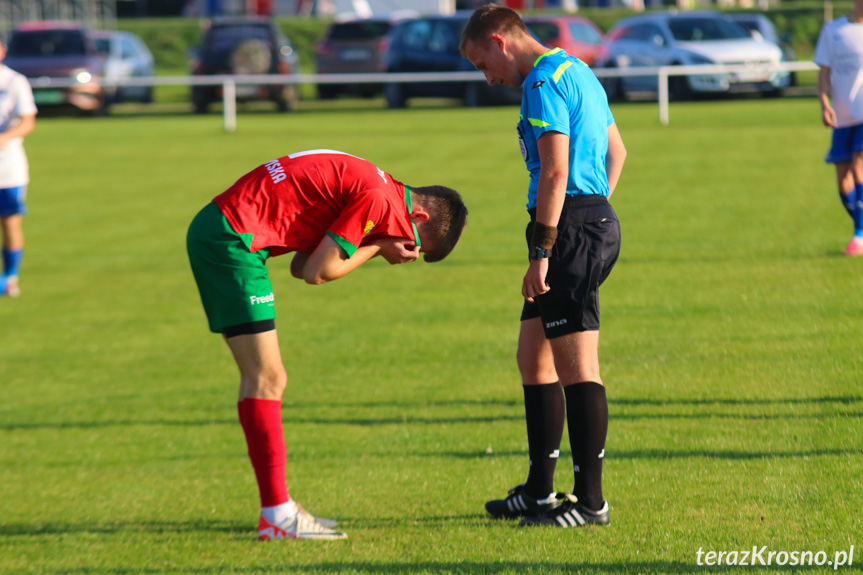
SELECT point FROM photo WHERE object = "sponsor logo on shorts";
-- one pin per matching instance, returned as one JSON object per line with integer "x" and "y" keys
{"x": 555, "y": 323}
{"x": 537, "y": 84}
{"x": 277, "y": 172}
{"x": 383, "y": 175}
{"x": 370, "y": 225}
{"x": 255, "y": 300}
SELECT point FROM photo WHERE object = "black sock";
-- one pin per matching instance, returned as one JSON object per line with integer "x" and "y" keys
{"x": 587, "y": 419}
{"x": 544, "y": 413}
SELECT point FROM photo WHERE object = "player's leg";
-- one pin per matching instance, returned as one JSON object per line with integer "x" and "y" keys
{"x": 855, "y": 248}
{"x": 238, "y": 300}
{"x": 12, "y": 208}
{"x": 262, "y": 383}
{"x": 543, "y": 407}
{"x": 587, "y": 412}
{"x": 544, "y": 415}
{"x": 587, "y": 251}
{"x": 847, "y": 187}
{"x": 843, "y": 145}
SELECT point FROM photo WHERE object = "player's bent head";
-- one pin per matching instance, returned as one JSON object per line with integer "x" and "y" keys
{"x": 491, "y": 19}
{"x": 447, "y": 219}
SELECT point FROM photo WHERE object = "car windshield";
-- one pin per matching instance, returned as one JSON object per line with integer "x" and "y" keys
{"x": 222, "y": 39}
{"x": 44, "y": 43}
{"x": 544, "y": 31}
{"x": 103, "y": 46}
{"x": 705, "y": 29}
{"x": 359, "y": 30}
{"x": 585, "y": 33}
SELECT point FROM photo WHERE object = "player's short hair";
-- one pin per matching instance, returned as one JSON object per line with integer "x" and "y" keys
{"x": 491, "y": 19}
{"x": 447, "y": 218}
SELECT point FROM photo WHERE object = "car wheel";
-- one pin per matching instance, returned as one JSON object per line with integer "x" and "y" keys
{"x": 395, "y": 96}
{"x": 327, "y": 91}
{"x": 678, "y": 89}
{"x": 775, "y": 93}
{"x": 613, "y": 85}
{"x": 473, "y": 96}
{"x": 101, "y": 110}
{"x": 288, "y": 99}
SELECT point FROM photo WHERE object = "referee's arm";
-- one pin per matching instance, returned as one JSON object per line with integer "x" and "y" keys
{"x": 614, "y": 158}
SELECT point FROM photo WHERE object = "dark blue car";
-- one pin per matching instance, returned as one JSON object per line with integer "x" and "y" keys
{"x": 430, "y": 44}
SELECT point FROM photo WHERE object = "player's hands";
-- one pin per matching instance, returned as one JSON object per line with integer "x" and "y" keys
{"x": 534, "y": 280}
{"x": 398, "y": 250}
{"x": 828, "y": 116}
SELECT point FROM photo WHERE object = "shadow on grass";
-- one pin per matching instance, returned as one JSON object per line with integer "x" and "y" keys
{"x": 166, "y": 527}
{"x": 843, "y": 399}
{"x": 477, "y": 520}
{"x": 662, "y": 454}
{"x": 451, "y": 567}
{"x": 410, "y": 416}
{"x": 408, "y": 420}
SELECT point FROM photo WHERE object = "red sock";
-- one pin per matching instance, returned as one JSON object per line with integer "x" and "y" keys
{"x": 262, "y": 423}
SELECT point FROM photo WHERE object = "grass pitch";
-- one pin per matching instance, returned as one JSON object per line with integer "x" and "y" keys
{"x": 731, "y": 348}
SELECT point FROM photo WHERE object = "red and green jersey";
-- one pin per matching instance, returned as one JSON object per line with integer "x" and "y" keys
{"x": 289, "y": 204}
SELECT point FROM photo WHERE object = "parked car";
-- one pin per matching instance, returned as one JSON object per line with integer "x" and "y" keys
{"x": 689, "y": 38}
{"x": 355, "y": 46}
{"x": 430, "y": 44}
{"x": 759, "y": 26}
{"x": 578, "y": 36}
{"x": 58, "y": 50}
{"x": 245, "y": 45}
{"x": 125, "y": 56}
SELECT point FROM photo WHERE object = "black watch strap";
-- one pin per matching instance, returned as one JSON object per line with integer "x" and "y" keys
{"x": 538, "y": 253}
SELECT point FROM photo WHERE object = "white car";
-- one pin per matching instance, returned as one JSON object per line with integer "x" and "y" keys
{"x": 126, "y": 56}
{"x": 690, "y": 38}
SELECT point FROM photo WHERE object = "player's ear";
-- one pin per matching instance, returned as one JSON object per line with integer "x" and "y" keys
{"x": 419, "y": 214}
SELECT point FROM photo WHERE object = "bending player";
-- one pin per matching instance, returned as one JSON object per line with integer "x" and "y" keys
{"x": 336, "y": 211}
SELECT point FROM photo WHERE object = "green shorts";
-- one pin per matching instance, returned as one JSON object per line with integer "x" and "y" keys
{"x": 233, "y": 282}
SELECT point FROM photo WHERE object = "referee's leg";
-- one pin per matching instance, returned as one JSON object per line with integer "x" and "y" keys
{"x": 576, "y": 357}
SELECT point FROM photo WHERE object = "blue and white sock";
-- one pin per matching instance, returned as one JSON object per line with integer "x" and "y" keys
{"x": 12, "y": 262}
{"x": 857, "y": 213}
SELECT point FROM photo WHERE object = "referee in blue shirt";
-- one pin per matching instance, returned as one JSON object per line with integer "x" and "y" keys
{"x": 574, "y": 153}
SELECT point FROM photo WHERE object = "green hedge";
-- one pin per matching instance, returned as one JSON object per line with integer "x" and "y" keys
{"x": 170, "y": 38}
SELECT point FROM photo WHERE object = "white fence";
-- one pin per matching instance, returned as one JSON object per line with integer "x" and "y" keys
{"x": 229, "y": 83}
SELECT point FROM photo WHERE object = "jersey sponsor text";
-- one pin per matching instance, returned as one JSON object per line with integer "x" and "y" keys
{"x": 254, "y": 299}
{"x": 277, "y": 172}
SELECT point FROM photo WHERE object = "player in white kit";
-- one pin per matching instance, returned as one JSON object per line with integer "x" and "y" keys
{"x": 839, "y": 55}
{"x": 17, "y": 119}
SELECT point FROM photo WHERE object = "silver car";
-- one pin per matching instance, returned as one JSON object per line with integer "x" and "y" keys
{"x": 689, "y": 38}
{"x": 125, "y": 56}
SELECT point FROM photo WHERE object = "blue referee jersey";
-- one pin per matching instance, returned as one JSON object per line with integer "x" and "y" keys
{"x": 562, "y": 94}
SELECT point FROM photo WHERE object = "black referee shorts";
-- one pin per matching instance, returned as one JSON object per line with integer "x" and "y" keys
{"x": 588, "y": 243}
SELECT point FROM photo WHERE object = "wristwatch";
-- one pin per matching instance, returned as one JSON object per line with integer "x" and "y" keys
{"x": 538, "y": 253}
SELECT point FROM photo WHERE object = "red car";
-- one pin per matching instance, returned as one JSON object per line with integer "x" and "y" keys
{"x": 578, "y": 36}
{"x": 59, "y": 50}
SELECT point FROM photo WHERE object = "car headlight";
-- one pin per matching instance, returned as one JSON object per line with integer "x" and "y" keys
{"x": 82, "y": 75}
